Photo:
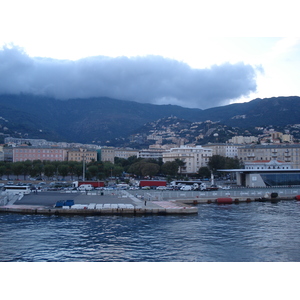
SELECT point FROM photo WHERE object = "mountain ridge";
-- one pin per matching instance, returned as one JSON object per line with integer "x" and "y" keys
{"x": 102, "y": 119}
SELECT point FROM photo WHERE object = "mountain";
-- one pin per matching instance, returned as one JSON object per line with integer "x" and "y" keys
{"x": 278, "y": 111}
{"x": 103, "y": 119}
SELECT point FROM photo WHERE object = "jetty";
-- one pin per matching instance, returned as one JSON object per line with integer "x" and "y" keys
{"x": 140, "y": 202}
{"x": 91, "y": 203}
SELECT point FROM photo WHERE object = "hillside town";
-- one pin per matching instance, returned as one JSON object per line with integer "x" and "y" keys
{"x": 169, "y": 139}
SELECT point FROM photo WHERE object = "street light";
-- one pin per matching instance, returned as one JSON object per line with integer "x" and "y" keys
{"x": 83, "y": 166}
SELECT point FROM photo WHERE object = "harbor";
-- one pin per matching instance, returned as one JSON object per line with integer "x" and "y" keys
{"x": 91, "y": 203}
{"x": 139, "y": 202}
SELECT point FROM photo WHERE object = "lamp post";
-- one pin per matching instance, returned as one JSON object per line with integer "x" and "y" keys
{"x": 83, "y": 166}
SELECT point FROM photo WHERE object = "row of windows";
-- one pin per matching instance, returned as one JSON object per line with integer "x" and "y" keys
{"x": 266, "y": 168}
{"x": 39, "y": 155}
{"x": 81, "y": 155}
{"x": 37, "y": 151}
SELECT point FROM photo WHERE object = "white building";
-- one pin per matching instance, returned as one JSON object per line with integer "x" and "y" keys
{"x": 151, "y": 153}
{"x": 193, "y": 157}
{"x": 224, "y": 149}
{"x": 267, "y": 165}
{"x": 266, "y": 173}
{"x": 243, "y": 139}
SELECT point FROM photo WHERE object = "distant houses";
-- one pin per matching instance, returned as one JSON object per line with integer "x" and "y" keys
{"x": 251, "y": 155}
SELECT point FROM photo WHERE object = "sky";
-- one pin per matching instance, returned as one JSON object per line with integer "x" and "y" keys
{"x": 196, "y": 54}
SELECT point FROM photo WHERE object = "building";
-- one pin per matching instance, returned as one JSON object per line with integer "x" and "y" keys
{"x": 23, "y": 153}
{"x": 108, "y": 154}
{"x": 224, "y": 149}
{"x": 151, "y": 153}
{"x": 193, "y": 157}
{"x": 82, "y": 154}
{"x": 125, "y": 153}
{"x": 289, "y": 153}
{"x": 243, "y": 139}
{"x": 20, "y": 141}
{"x": 266, "y": 173}
{"x": 8, "y": 154}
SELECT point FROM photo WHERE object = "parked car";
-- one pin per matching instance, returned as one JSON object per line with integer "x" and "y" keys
{"x": 163, "y": 188}
{"x": 146, "y": 188}
{"x": 212, "y": 188}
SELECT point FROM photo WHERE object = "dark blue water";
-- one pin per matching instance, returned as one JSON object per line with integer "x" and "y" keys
{"x": 244, "y": 232}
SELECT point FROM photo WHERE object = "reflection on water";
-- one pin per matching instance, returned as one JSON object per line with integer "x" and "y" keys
{"x": 244, "y": 232}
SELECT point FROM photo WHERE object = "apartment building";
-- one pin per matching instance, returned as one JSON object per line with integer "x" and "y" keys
{"x": 193, "y": 157}
{"x": 108, "y": 154}
{"x": 288, "y": 153}
{"x": 82, "y": 154}
{"x": 243, "y": 139}
{"x": 125, "y": 153}
{"x": 151, "y": 153}
{"x": 224, "y": 149}
{"x": 23, "y": 153}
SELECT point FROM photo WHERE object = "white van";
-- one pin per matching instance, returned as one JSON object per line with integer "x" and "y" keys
{"x": 186, "y": 188}
{"x": 85, "y": 187}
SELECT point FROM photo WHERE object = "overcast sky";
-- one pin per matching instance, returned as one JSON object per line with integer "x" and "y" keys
{"x": 161, "y": 52}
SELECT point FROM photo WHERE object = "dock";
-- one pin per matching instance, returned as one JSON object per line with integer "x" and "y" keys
{"x": 125, "y": 203}
{"x": 94, "y": 204}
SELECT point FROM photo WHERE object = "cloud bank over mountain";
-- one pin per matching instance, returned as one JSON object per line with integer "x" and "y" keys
{"x": 148, "y": 79}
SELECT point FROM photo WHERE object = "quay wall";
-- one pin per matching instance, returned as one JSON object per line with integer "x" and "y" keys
{"x": 104, "y": 211}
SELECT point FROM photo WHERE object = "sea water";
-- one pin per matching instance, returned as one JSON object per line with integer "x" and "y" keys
{"x": 245, "y": 232}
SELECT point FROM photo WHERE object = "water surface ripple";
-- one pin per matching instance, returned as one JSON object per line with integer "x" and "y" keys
{"x": 245, "y": 232}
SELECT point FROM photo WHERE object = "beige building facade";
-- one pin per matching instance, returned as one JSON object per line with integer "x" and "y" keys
{"x": 224, "y": 149}
{"x": 82, "y": 154}
{"x": 193, "y": 157}
{"x": 108, "y": 154}
{"x": 287, "y": 153}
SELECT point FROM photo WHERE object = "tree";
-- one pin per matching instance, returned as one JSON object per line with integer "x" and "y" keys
{"x": 117, "y": 170}
{"x": 63, "y": 170}
{"x": 135, "y": 168}
{"x": 93, "y": 170}
{"x": 232, "y": 163}
{"x": 216, "y": 162}
{"x": 72, "y": 165}
{"x": 149, "y": 169}
{"x": 49, "y": 170}
{"x": 220, "y": 162}
{"x": 108, "y": 168}
{"x": 17, "y": 168}
{"x": 37, "y": 168}
{"x": 204, "y": 172}
{"x": 180, "y": 163}
{"x": 2, "y": 170}
{"x": 27, "y": 166}
{"x": 170, "y": 168}
{"x": 78, "y": 170}
{"x": 8, "y": 170}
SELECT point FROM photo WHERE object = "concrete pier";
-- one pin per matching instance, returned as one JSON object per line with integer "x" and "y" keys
{"x": 136, "y": 203}
{"x": 122, "y": 203}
